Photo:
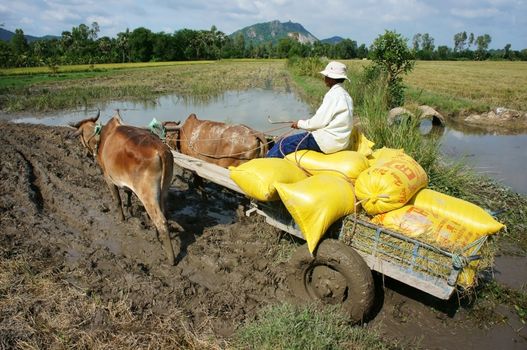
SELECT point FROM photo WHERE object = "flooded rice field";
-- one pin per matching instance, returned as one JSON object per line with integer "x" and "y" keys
{"x": 499, "y": 156}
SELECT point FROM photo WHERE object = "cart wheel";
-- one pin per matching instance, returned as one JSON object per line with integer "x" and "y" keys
{"x": 337, "y": 275}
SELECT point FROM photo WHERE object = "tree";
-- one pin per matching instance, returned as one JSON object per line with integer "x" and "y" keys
{"x": 6, "y": 55}
{"x": 141, "y": 44}
{"x": 20, "y": 48}
{"x": 460, "y": 40}
{"x": 283, "y": 47}
{"x": 346, "y": 49}
{"x": 482, "y": 42}
{"x": 507, "y": 52}
{"x": 19, "y": 42}
{"x": 427, "y": 42}
{"x": 94, "y": 31}
{"x": 239, "y": 45}
{"x": 443, "y": 52}
{"x": 391, "y": 53}
{"x": 471, "y": 40}
{"x": 416, "y": 42}
{"x": 362, "y": 51}
{"x": 123, "y": 45}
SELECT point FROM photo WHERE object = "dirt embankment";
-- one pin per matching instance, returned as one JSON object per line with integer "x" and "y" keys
{"x": 106, "y": 281}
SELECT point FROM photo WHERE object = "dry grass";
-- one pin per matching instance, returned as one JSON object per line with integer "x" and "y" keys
{"x": 456, "y": 86}
{"x": 42, "y": 92}
{"x": 43, "y": 307}
{"x": 493, "y": 84}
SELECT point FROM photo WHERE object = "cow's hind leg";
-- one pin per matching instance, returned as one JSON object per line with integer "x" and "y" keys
{"x": 115, "y": 193}
{"x": 156, "y": 215}
{"x": 129, "y": 193}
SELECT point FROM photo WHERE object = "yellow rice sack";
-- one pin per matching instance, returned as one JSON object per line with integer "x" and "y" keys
{"x": 383, "y": 154}
{"x": 257, "y": 177}
{"x": 475, "y": 218}
{"x": 359, "y": 142}
{"x": 390, "y": 184}
{"x": 317, "y": 202}
{"x": 348, "y": 164}
{"x": 408, "y": 220}
{"x": 426, "y": 226}
{"x": 436, "y": 230}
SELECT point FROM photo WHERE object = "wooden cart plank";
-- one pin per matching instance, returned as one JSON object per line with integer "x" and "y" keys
{"x": 208, "y": 171}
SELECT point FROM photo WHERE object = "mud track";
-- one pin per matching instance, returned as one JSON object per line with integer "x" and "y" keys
{"x": 55, "y": 206}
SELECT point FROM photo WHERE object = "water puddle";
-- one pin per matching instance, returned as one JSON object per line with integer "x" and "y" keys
{"x": 500, "y": 157}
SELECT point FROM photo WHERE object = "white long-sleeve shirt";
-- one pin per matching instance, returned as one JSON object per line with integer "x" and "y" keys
{"x": 332, "y": 123}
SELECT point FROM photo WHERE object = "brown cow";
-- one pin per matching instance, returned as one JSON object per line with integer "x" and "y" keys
{"x": 133, "y": 158}
{"x": 216, "y": 142}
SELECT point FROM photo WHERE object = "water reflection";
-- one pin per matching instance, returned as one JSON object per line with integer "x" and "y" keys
{"x": 251, "y": 107}
{"x": 474, "y": 129}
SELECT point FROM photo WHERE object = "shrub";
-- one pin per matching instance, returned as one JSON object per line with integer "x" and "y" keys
{"x": 391, "y": 53}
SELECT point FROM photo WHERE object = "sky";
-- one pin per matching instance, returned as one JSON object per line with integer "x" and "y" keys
{"x": 360, "y": 20}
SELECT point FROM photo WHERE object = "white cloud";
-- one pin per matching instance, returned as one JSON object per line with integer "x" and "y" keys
{"x": 60, "y": 15}
{"x": 26, "y": 20}
{"x": 475, "y": 13}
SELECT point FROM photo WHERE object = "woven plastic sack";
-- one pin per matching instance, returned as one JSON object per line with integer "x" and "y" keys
{"x": 427, "y": 226}
{"x": 348, "y": 164}
{"x": 408, "y": 220}
{"x": 436, "y": 230}
{"x": 390, "y": 184}
{"x": 317, "y": 202}
{"x": 257, "y": 177}
{"x": 475, "y": 218}
{"x": 359, "y": 142}
{"x": 384, "y": 154}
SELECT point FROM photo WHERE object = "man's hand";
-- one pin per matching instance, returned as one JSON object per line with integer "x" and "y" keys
{"x": 295, "y": 125}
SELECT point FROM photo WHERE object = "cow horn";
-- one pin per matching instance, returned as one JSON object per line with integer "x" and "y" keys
{"x": 172, "y": 128}
{"x": 74, "y": 134}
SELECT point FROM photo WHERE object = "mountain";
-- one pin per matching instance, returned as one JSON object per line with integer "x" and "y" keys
{"x": 6, "y": 35}
{"x": 274, "y": 31}
{"x": 333, "y": 40}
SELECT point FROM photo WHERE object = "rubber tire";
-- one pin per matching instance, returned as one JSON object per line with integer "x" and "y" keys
{"x": 336, "y": 275}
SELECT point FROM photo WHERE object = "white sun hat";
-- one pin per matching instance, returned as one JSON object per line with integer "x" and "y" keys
{"x": 335, "y": 70}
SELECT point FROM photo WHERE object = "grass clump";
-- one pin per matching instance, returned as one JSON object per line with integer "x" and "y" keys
{"x": 289, "y": 327}
{"x": 369, "y": 92}
{"x": 45, "y": 307}
{"x": 491, "y": 297}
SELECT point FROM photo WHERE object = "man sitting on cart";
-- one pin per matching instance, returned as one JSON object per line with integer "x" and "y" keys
{"x": 329, "y": 130}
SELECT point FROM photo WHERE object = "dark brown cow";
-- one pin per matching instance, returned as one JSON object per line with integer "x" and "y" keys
{"x": 216, "y": 142}
{"x": 133, "y": 158}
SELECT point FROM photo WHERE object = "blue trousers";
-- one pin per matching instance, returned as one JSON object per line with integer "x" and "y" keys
{"x": 292, "y": 143}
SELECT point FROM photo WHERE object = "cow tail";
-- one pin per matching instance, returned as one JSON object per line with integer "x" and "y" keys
{"x": 167, "y": 159}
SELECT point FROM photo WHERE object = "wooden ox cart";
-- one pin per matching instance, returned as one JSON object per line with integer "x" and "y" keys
{"x": 340, "y": 270}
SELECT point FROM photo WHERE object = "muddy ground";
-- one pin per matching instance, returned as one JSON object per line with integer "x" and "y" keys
{"x": 58, "y": 216}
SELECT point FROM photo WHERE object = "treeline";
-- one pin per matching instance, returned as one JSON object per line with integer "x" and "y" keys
{"x": 82, "y": 45}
